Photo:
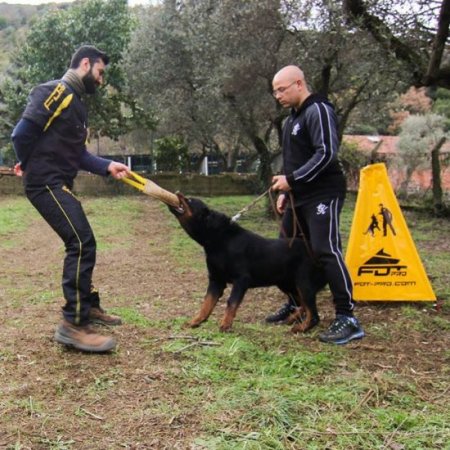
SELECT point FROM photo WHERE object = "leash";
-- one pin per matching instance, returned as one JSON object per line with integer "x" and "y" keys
{"x": 237, "y": 216}
{"x": 297, "y": 228}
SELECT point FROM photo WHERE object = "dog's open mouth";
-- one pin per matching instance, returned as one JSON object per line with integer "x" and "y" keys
{"x": 183, "y": 206}
{"x": 177, "y": 211}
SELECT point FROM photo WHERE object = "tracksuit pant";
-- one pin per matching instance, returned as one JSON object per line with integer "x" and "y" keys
{"x": 64, "y": 213}
{"x": 319, "y": 220}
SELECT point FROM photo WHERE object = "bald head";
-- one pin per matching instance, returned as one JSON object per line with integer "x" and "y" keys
{"x": 289, "y": 74}
{"x": 289, "y": 87}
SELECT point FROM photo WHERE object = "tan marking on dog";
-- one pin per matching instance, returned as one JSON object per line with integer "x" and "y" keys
{"x": 295, "y": 316}
{"x": 304, "y": 313}
{"x": 227, "y": 320}
{"x": 208, "y": 305}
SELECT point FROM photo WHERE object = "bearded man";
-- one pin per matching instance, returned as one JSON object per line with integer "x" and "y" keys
{"x": 50, "y": 144}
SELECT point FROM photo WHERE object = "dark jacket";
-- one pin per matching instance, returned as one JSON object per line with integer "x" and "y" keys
{"x": 310, "y": 149}
{"x": 50, "y": 139}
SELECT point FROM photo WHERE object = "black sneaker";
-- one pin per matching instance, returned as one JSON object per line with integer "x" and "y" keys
{"x": 282, "y": 314}
{"x": 342, "y": 330}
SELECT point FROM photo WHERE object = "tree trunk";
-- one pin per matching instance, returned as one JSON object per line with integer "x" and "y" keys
{"x": 403, "y": 191}
{"x": 438, "y": 205}
{"x": 265, "y": 170}
{"x": 434, "y": 72}
{"x": 374, "y": 152}
{"x": 230, "y": 160}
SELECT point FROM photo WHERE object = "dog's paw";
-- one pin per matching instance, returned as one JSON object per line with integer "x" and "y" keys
{"x": 193, "y": 324}
{"x": 299, "y": 327}
{"x": 303, "y": 327}
{"x": 294, "y": 317}
{"x": 224, "y": 328}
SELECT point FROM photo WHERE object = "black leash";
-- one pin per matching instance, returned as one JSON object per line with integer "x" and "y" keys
{"x": 297, "y": 228}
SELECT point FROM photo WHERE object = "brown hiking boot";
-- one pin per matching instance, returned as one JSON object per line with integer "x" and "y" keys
{"x": 83, "y": 338}
{"x": 98, "y": 315}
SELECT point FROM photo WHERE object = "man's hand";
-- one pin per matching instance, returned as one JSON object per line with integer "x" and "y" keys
{"x": 118, "y": 170}
{"x": 18, "y": 170}
{"x": 279, "y": 183}
{"x": 281, "y": 203}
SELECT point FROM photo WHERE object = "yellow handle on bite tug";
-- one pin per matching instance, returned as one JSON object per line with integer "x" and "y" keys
{"x": 138, "y": 182}
{"x": 152, "y": 189}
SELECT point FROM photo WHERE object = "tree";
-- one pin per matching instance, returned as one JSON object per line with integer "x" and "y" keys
{"x": 352, "y": 160}
{"x": 250, "y": 39}
{"x": 171, "y": 154}
{"x": 343, "y": 63}
{"x": 163, "y": 74}
{"x": 413, "y": 101}
{"x": 197, "y": 74}
{"x": 419, "y": 136}
{"x": 206, "y": 67}
{"x": 3, "y": 23}
{"x": 441, "y": 104}
{"x": 414, "y": 31}
{"x": 47, "y": 50}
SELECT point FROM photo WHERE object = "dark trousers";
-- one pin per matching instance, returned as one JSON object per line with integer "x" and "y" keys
{"x": 319, "y": 221}
{"x": 63, "y": 212}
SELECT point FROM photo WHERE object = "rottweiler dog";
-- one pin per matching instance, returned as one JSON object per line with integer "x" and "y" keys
{"x": 246, "y": 260}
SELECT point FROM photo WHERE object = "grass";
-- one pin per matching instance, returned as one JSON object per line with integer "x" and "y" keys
{"x": 257, "y": 388}
{"x": 16, "y": 215}
{"x": 279, "y": 397}
{"x": 132, "y": 317}
{"x": 112, "y": 219}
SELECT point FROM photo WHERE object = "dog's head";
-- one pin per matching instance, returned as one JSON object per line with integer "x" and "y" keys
{"x": 200, "y": 222}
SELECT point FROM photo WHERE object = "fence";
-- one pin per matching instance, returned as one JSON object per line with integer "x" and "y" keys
{"x": 194, "y": 184}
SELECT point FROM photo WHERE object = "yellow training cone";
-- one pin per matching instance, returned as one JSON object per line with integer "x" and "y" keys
{"x": 381, "y": 255}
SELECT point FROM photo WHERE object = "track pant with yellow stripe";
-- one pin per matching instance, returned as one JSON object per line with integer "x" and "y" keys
{"x": 64, "y": 213}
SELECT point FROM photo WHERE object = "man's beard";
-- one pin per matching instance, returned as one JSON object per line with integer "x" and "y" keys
{"x": 90, "y": 84}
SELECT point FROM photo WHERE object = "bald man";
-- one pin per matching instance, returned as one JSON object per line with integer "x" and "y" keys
{"x": 312, "y": 173}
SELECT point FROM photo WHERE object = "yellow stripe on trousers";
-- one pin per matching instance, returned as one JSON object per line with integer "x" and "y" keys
{"x": 78, "y": 308}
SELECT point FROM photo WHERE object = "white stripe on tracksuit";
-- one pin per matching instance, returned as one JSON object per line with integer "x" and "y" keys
{"x": 337, "y": 252}
{"x": 329, "y": 151}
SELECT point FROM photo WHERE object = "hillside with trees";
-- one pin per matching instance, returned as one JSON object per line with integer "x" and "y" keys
{"x": 15, "y": 21}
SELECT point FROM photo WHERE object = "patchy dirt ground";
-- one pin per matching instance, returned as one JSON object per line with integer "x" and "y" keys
{"x": 53, "y": 397}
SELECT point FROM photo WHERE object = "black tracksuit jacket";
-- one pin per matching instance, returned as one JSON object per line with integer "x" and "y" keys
{"x": 310, "y": 148}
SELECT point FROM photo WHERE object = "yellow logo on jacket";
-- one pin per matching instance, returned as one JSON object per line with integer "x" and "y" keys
{"x": 54, "y": 96}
